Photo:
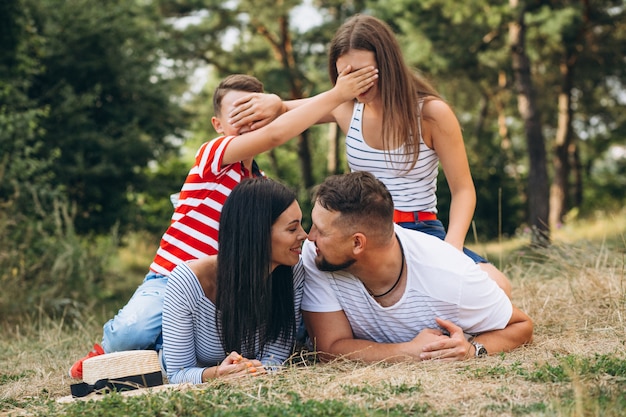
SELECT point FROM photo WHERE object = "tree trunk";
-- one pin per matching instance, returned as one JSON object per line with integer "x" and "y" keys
{"x": 538, "y": 191}
{"x": 333, "y": 149}
{"x": 559, "y": 191}
{"x": 306, "y": 165}
{"x": 577, "y": 168}
{"x": 283, "y": 51}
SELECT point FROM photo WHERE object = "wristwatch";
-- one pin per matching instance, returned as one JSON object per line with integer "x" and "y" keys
{"x": 480, "y": 349}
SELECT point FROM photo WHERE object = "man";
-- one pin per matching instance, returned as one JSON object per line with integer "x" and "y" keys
{"x": 375, "y": 291}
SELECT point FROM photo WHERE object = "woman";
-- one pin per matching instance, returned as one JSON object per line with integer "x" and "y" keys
{"x": 399, "y": 130}
{"x": 235, "y": 313}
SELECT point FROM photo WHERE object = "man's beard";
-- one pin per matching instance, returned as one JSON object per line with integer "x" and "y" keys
{"x": 323, "y": 265}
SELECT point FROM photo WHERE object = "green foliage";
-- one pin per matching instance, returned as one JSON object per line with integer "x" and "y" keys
{"x": 110, "y": 110}
{"x": 42, "y": 262}
{"x": 45, "y": 265}
{"x": 152, "y": 206}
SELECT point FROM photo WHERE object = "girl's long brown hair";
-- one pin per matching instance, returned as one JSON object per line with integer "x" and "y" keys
{"x": 400, "y": 88}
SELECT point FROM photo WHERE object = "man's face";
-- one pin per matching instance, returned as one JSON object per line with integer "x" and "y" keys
{"x": 220, "y": 123}
{"x": 334, "y": 247}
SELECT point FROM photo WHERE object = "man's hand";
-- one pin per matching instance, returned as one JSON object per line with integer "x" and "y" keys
{"x": 452, "y": 348}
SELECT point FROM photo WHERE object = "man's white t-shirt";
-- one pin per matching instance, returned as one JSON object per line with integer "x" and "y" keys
{"x": 441, "y": 282}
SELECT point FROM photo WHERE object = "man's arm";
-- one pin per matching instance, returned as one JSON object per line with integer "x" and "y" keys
{"x": 517, "y": 332}
{"x": 332, "y": 338}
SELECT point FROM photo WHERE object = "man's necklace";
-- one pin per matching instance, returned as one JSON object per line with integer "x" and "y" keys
{"x": 399, "y": 275}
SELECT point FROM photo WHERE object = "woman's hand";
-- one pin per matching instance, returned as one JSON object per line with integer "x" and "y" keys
{"x": 235, "y": 366}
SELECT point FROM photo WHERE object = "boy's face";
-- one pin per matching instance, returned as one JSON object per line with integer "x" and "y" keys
{"x": 220, "y": 123}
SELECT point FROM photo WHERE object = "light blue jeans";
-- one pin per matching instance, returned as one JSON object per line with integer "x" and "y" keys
{"x": 138, "y": 324}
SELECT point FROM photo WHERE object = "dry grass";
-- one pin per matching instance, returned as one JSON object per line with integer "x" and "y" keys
{"x": 575, "y": 291}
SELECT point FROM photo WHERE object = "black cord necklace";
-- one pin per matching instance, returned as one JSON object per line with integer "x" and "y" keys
{"x": 399, "y": 275}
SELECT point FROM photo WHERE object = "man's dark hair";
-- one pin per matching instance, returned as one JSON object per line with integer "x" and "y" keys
{"x": 363, "y": 201}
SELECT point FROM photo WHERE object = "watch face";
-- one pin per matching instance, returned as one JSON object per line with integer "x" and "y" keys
{"x": 481, "y": 351}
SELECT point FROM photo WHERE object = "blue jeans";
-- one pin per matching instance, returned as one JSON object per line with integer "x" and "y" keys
{"x": 138, "y": 324}
{"x": 435, "y": 228}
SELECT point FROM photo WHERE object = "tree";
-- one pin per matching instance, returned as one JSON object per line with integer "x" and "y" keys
{"x": 538, "y": 193}
{"x": 593, "y": 75}
{"x": 21, "y": 117}
{"x": 110, "y": 101}
{"x": 42, "y": 261}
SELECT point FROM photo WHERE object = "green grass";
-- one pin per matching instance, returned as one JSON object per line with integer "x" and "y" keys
{"x": 225, "y": 403}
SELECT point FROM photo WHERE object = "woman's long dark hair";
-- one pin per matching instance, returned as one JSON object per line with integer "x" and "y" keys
{"x": 251, "y": 300}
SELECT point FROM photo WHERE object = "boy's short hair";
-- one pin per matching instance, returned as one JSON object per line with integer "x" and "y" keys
{"x": 237, "y": 82}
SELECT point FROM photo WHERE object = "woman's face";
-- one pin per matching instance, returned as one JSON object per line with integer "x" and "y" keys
{"x": 287, "y": 237}
{"x": 357, "y": 59}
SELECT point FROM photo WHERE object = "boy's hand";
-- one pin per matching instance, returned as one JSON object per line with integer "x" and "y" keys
{"x": 350, "y": 84}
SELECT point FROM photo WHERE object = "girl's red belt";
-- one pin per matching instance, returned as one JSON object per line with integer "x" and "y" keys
{"x": 413, "y": 216}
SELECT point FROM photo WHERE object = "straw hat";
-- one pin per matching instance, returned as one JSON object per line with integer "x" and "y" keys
{"x": 119, "y": 371}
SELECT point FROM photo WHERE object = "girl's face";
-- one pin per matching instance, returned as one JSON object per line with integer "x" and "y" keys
{"x": 287, "y": 237}
{"x": 357, "y": 59}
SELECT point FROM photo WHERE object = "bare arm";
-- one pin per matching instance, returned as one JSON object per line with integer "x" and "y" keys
{"x": 332, "y": 337}
{"x": 259, "y": 109}
{"x": 294, "y": 122}
{"x": 446, "y": 139}
{"x": 517, "y": 332}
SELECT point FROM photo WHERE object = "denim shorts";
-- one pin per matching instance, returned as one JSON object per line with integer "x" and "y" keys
{"x": 435, "y": 228}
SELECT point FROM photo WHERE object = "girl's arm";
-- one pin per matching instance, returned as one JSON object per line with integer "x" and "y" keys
{"x": 259, "y": 109}
{"x": 447, "y": 140}
{"x": 293, "y": 122}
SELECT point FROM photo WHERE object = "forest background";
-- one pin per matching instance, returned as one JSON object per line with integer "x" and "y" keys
{"x": 102, "y": 109}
